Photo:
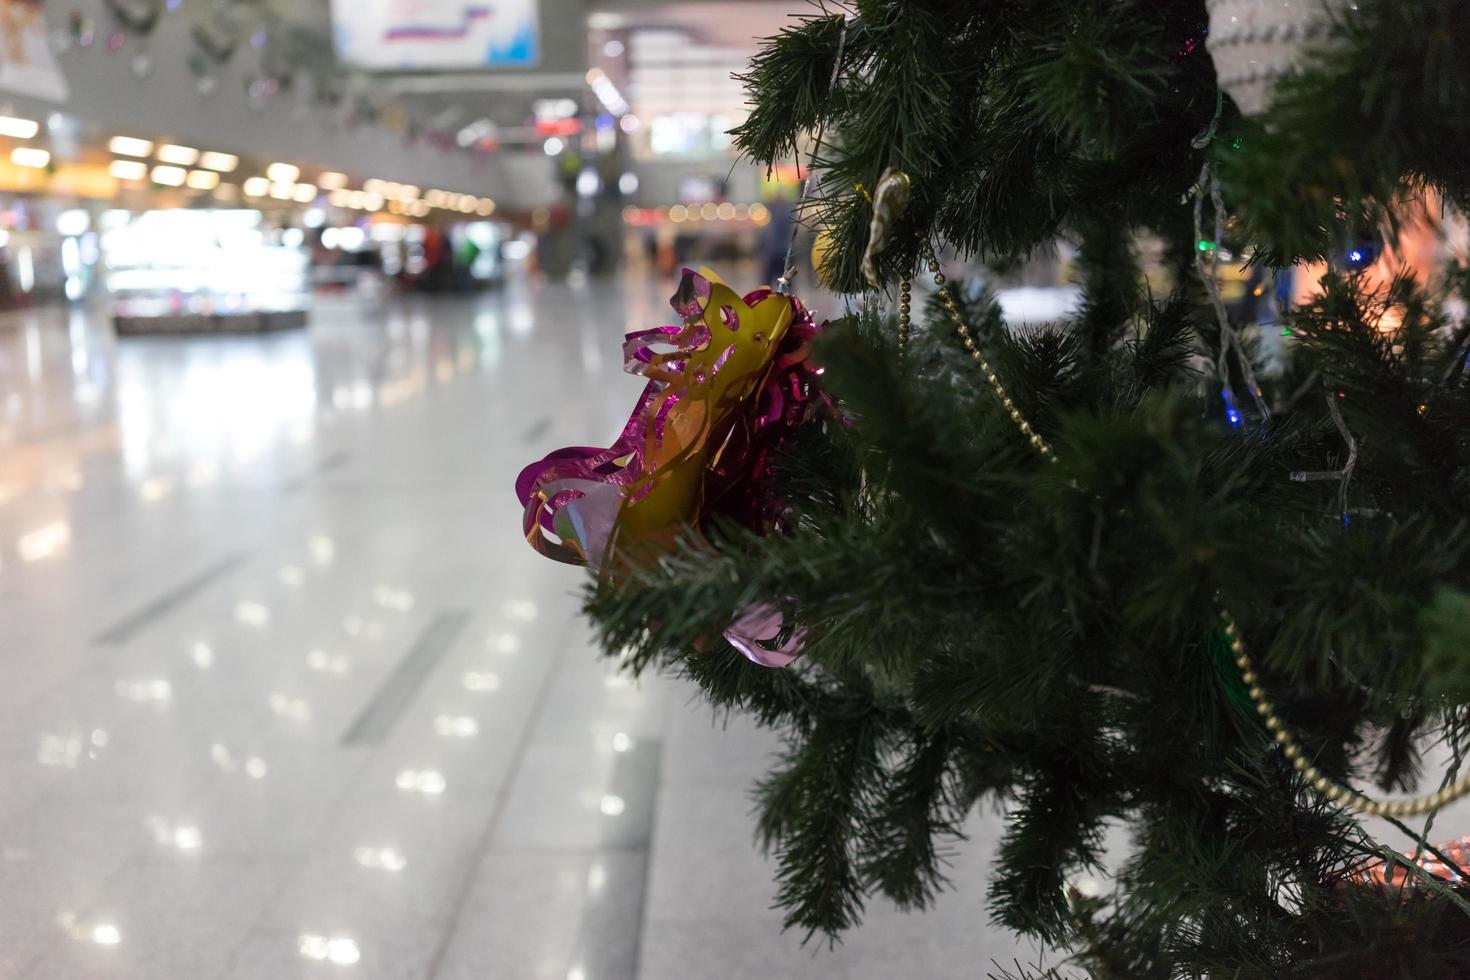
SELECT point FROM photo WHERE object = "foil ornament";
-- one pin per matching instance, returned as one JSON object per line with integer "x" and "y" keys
{"x": 890, "y": 200}
{"x": 1395, "y": 877}
{"x": 726, "y": 386}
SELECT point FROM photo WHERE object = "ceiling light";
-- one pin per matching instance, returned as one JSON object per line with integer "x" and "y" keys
{"x": 203, "y": 180}
{"x": 17, "y": 128}
{"x": 283, "y": 173}
{"x": 128, "y": 146}
{"x": 184, "y": 156}
{"x": 169, "y": 176}
{"x": 332, "y": 181}
{"x": 29, "y": 156}
{"x": 305, "y": 193}
{"x": 256, "y": 187}
{"x": 283, "y": 190}
{"x": 223, "y": 162}
{"x": 485, "y": 207}
{"x": 128, "y": 169}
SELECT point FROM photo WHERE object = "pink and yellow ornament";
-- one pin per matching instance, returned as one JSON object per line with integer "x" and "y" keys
{"x": 725, "y": 387}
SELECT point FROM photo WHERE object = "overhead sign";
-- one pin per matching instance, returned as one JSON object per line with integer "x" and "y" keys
{"x": 412, "y": 35}
{"x": 27, "y": 65}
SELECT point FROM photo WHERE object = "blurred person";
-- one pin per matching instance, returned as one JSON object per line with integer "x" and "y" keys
{"x": 776, "y": 238}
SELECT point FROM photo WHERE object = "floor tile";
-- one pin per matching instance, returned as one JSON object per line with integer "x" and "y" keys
{"x": 230, "y": 551}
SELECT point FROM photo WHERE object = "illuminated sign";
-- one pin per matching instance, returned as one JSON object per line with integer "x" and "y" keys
{"x": 436, "y": 34}
{"x": 27, "y": 64}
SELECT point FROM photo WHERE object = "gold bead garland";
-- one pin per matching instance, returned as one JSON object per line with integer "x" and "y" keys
{"x": 1314, "y": 777}
{"x": 905, "y": 297}
{"x": 1319, "y": 782}
{"x": 993, "y": 379}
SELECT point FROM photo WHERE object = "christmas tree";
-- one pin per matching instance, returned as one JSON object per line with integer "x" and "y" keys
{"x": 1137, "y": 567}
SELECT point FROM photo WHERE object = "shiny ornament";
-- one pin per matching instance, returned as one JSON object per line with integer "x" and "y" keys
{"x": 136, "y": 17}
{"x": 1396, "y": 877}
{"x": 81, "y": 29}
{"x": 822, "y": 247}
{"x": 725, "y": 387}
{"x": 1256, "y": 42}
{"x": 890, "y": 200}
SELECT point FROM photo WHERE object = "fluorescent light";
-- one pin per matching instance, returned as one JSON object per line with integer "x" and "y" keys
{"x": 283, "y": 173}
{"x": 169, "y": 176}
{"x": 256, "y": 187}
{"x": 17, "y": 128}
{"x": 184, "y": 156}
{"x": 305, "y": 193}
{"x": 73, "y": 222}
{"x": 203, "y": 180}
{"x": 332, "y": 181}
{"x": 128, "y": 169}
{"x": 29, "y": 156}
{"x": 223, "y": 162}
{"x": 43, "y": 542}
{"x": 129, "y": 146}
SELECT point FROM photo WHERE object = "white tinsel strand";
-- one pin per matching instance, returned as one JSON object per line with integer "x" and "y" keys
{"x": 1255, "y": 42}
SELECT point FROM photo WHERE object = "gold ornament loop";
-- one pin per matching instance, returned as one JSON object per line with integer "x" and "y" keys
{"x": 890, "y": 199}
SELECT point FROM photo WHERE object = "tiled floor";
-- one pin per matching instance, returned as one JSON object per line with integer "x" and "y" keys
{"x": 285, "y": 693}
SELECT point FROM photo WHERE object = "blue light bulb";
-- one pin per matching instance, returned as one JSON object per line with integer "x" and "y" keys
{"x": 1232, "y": 414}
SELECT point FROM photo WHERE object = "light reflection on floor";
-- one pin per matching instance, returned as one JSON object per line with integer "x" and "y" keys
{"x": 286, "y": 695}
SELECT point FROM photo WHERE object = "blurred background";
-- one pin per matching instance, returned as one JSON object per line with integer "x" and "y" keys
{"x": 289, "y": 292}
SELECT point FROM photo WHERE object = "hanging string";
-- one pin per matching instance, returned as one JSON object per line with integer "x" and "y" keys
{"x": 784, "y": 284}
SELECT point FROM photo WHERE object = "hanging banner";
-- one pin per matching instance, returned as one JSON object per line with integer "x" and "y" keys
{"x": 413, "y": 35}
{"x": 27, "y": 64}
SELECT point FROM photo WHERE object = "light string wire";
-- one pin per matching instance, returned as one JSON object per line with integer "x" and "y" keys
{"x": 1318, "y": 781}
{"x": 1344, "y": 476}
{"x": 1210, "y": 276}
{"x": 784, "y": 285}
{"x": 1229, "y": 338}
